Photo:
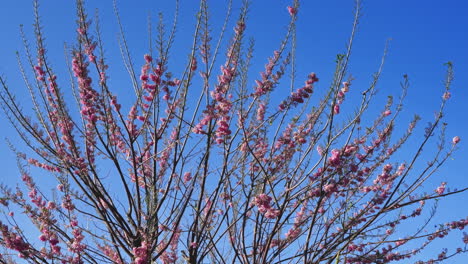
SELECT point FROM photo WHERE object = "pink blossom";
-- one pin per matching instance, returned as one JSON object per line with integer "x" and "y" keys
{"x": 345, "y": 88}
{"x": 187, "y": 177}
{"x": 446, "y": 95}
{"x": 440, "y": 190}
{"x": 261, "y": 112}
{"x": 262, "y": 201}
{"x": 141, "y": 253}
{"x": 329, "y": 188}
{"x": 148, "y": 58}
{"x": 193, "y": 66}
{"x": 336, "y": 109}
{"x": 292, "y": 11}
{"x": 272, "y": 213}
{"x": 400, "y": 242}
{"x": 352, "y": 247}
{"x": 293, "y": 233}
{"x": 43, "y": 238}
{"x": 456, "y": 139}
{"x": 335, "y": 158}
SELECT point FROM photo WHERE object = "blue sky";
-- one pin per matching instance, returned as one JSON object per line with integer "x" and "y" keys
{"x": 424, "y": 35}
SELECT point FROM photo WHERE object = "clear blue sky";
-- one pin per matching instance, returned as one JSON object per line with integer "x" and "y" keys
{"x": 425, "y": 35}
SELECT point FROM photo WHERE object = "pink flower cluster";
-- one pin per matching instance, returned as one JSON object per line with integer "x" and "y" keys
{"x": 187, "y": 177}
{"x": 292, "y": 11}
{"x": 260, "y": 150}
{"x": 40, "y": 73}
{"x": 293, "y": 233}
{"x": 77, "y": 246}
{"x": 13, "y": 240}
{"x": 67, "y": 203}
{"x": 110, "y": 253}
{"x": 85, "y": 38}
{"x": 385, "y": 178}
{"x": 223, "y": 129}
{"x": 269, "y": 79}
{"x": 171, "y": 256}
{"x": 44, "y": 165}
{"x": 446, "y": 95}
{"x": 302, "y": 93}
{"x": 89, "y": 98}
{"x": 296, "y": 229}
{"x": 335, "y": 159}
{"x": 151, "y": 89}
{"x": 263, "y": 202}
{"x": 261, "y": 111}
{"x": 220, "y": 107}
{"x": 460, "y": 224}
{"x": 141, "y": 253}
{"x": 340, "y": 97}
{"x": 441, "y": 189}
{"x": 44, "y": 216}
{"x": 90, "y": 102}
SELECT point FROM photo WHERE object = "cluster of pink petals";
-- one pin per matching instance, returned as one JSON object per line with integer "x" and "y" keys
{"x": 187, "y": 177}
{"x": 12, "y": 240}
{"x": 292, "y": 11}
{"x": 77, "y": 246}
{"x": 88, "y": 96}
{"x": 67, "y": 203}
{"x": 261, "y": 111}
{"x": 170, "y": 256}
{"x": 446, "y": 95}
{"x": 296, "y": 229}
{"x": 141, "y": 253}
{"x": 302, "y": 93}
{"x": 220, "y": 108}
{"x": 335, "y": 158}
{"x": 340, "y": 97}
{"x": 260, "y": 150}
{"x": 460, "y": 224}
{"x": 110, "y": 253}
{"x": 44, "y": 217}
{"x": 223, "y": 129}
{"x": 293, "y": 233}
{"x": 263, "y": 202}
{"x": 269, "y": 79}
{"x": 441, "y": 189}
{"x": 44, "y": 165}
{"x": 151, "y": 89}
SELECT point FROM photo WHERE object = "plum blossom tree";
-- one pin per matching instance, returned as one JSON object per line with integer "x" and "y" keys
{"x": 208, "y": 166}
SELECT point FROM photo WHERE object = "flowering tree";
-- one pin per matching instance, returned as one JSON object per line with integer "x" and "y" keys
{"x": 209, "y": 167}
